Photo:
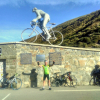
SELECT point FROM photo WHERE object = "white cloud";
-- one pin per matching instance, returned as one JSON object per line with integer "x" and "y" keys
{"x": 55, "y": 2}
{"x": 47, "y": 2}
{"x": 11, "y": 2}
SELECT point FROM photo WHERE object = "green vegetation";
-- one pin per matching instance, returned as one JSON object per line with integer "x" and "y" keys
{"x": 83, "y": 31}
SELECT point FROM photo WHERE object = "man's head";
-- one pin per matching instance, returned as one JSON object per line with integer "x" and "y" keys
{"x": 34, "y": 9}
{"x": 46, "y": 62}
{"x": 97, "y": 66}
{"x": 33, "y": 70}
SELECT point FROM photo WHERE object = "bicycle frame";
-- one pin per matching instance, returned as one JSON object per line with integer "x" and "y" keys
{"x": 34, "y": 29}
{"x": 11, "y": 81}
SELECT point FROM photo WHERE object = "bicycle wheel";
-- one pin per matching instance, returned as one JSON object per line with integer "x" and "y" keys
{"x": 3, "y": 83}
{"x": 16, "y": 84}
{"x": 56, "y": 38}
{"x": 73, "y": 81}
{"x": 67, "y": 82}
{"x": 28, "y": 35}
{"x": 97, "y": 81}
{"x": 52, "y": 81}
{"x": 57, "y": 83}
{"x": 92, "y": 81}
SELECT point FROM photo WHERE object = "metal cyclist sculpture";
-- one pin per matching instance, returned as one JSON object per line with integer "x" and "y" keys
{"x": 46, "y": 18}
{"x": 53, "y": 37}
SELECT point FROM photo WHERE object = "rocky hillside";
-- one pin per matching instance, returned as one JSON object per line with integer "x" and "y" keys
{"x": 83, "y": 31}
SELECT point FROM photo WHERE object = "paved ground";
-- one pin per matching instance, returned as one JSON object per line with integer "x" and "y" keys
{"x": 57, "y": 93}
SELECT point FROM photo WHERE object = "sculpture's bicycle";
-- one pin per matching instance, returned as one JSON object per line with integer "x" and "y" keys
{"x": 32, "y": 34}
{"x": 14, "y": 82}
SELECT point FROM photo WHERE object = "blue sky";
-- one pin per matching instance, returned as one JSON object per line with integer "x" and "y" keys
{"x": 15, "y": 15}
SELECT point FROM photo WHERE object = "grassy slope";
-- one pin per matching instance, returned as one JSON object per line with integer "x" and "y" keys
{"x": 83, "y": 31}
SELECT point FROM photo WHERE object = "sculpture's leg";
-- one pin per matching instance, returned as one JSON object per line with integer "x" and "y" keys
{"x": 45, "y": 21}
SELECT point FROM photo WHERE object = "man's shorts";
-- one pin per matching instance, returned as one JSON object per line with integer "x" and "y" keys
{"x": 46, "y": 76}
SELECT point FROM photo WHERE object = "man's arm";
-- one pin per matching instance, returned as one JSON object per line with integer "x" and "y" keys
{"x": 26, "y": 73}
{"x": 38, "y": 16}
{"x": 39, "y": 64}
{"x": 52, "y": 64}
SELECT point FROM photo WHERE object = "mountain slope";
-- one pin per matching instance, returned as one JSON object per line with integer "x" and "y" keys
{"x": 83, "y": 31}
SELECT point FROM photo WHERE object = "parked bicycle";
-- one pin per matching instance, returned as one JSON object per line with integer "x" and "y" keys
{"x": 54, "y": 80}
{"x": 95, "y": 80}
{"x": 32, "y": 34}
{"x": 14, "y": 82}
{"x": 64, "y": 80}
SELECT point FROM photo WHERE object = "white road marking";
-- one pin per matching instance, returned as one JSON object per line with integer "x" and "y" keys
{"x": 6, "y": 96}
{"x": 75, "y": 90}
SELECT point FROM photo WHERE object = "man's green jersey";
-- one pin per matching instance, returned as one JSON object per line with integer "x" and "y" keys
{"x": 46, "y": 69}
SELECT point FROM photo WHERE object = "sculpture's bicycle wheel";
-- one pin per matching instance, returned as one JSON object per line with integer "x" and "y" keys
{"x": 29, "y": 35}
{"x": 56, "y": 38}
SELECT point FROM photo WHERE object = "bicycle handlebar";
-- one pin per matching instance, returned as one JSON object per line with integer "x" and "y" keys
{"x": 33, "y": 23}
{"x": 17, "y": 74}
{"x": 67, "y": 73}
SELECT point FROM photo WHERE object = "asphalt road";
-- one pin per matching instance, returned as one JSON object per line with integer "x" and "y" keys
{"x": 57, "y": 93}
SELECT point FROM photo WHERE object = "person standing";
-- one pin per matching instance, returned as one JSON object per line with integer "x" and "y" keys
{"x": 46, "y": 72}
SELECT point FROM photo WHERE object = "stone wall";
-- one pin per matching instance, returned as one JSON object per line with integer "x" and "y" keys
{"x": 9, "y": 54}
{"x": 80, "y": 61}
